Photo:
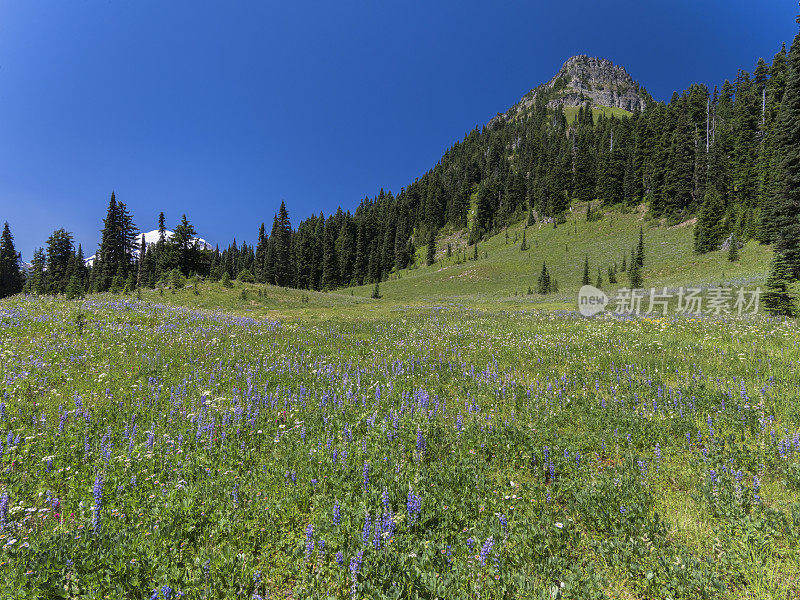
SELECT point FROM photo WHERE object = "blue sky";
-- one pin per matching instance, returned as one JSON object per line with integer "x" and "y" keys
{"x": 223, "y": 109}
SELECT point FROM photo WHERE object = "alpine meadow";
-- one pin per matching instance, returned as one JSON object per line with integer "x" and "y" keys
{"x": 564, "y": 362}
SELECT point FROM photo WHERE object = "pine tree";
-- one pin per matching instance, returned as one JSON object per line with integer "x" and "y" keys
{"x": 226, "y": 280}
{"x": 376, "y": 291}
{"x": 635, "y": 275}
{"x": 142, "y": 271}
{"x": 787, "y": 198}
{"x": 10, "y": 275}
{"x": 261, "y": 255}
{"x": 183, "y": 243}
{"x": 430, "y": 256}
{"x": 162, "y": 228}
{"x": 524, "y": 245}
{"x": 599, "y": 283}
{"x": 777, "y": 299}
{"x": 585, "y": 279}
{"x": 36, "y": 283}
{"x": 709, "y": 230}
{"x": 118, "y": 240}
{"x": 543, "y": 283}
{"x": 733, "y": 249}
{"x": 329, "y": 263}
{"x": 59, "y": 255}
{"x": 640, "y": 249}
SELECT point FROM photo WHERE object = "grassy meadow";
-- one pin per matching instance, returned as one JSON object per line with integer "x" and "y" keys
{"x": 457, "y": 438}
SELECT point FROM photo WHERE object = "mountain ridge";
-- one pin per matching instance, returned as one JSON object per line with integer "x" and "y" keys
{"x": 582, "y": 79}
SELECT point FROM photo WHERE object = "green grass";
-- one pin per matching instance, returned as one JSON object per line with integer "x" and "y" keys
{"x": 242, "y": 425}
{"x": 571, "y": 112}
{"x": 255, "y": 417}
{"x": 505, "y": 275}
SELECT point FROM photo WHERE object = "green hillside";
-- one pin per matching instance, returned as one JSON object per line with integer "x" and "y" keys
{"x": 507, "y": 272}
{"x": 503, "y": 273}
{"x": 571, "y": 112}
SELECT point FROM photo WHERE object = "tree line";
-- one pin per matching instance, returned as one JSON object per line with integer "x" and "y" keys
{"x": 729, "y": 157}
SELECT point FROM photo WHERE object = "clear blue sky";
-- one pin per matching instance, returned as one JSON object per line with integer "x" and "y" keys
{"x": 222, "y": 109}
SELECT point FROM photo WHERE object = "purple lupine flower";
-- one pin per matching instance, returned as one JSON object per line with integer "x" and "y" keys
{"x": 365, "y": 534}
{"x": 337, "y": 517}
{"x": 339, "y": 558}
{"x": 459, "y": 423}
{"x": 414, "y": 506}
{"x": 503, "y": 521}
{"x": 756, "y": 489}
{"x": 166, "y": 591}
{"x": 355, "y": 566}
{"x": 3, "y": 511}
{"x": 658, "y": 456}
{"x": 470, "y": 543}
{"x": 98, "y": 502}
{"x": 486, "y": 549}
{"x": 309, "y": 540}
{"x": 366, "y": 475}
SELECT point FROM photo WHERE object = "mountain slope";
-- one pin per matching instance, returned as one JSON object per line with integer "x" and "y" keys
{"x": 507, "y": 270}
{"x": 584, "y": 79}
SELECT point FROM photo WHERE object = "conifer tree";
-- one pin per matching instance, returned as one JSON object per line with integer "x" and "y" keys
{"x": 635, "y": 275}
{"x": 787, "y": 198}
{"x": 431, "y": 252}
{"x": 162, "y": 228}
{"x": 777, "y": 298}
{"x": 640, "y": 249}
{"x": 10, "y": 275}
{"x": 585, "y": 279}
{"x": 543, "y": 283}
{"x": 59, "y": 256}
{"x": 36, "y": 283}
{"x": 709, "y": 230}
{"x": 524, "y": 245}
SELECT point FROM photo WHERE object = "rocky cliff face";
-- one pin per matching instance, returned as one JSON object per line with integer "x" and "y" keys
{"x": 585, "y": 79}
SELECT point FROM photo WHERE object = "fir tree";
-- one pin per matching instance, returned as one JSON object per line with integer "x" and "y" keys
{"x": 787, "y": 199}
{"x": 709, "y": 230}
{"x": 10, "y": 275}
{"x": 733, "y": 249}
{"x": 543, "y": 283}
{"x": 524, "y": 245}
{"x": 162, "y": 227}
{"x": 777, "y": 299}
{"x": 430, "y": 255}
{"x": 585, "y": 279}
{"x": 635, "y": 275}
{"x": 60, "y": 252}
{"x": 36, "y": 283}
{"x": 640, "y": 249}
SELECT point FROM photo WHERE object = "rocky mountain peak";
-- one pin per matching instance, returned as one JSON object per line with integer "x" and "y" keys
{"x": 583, "y": 79}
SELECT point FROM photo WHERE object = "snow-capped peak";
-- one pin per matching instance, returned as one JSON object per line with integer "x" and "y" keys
{"x": 150, "y": 238}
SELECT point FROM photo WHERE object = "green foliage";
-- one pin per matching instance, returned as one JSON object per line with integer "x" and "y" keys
{"x": 245, "y": 276}
{"x": 778, "y": 299}
{"x": 580, "y": 471}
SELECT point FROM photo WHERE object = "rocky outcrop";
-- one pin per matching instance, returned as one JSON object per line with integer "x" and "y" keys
{"x": 586, "y": 79}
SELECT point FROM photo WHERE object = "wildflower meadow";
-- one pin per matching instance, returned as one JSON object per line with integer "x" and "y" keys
{"x": 153, "y": 451}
